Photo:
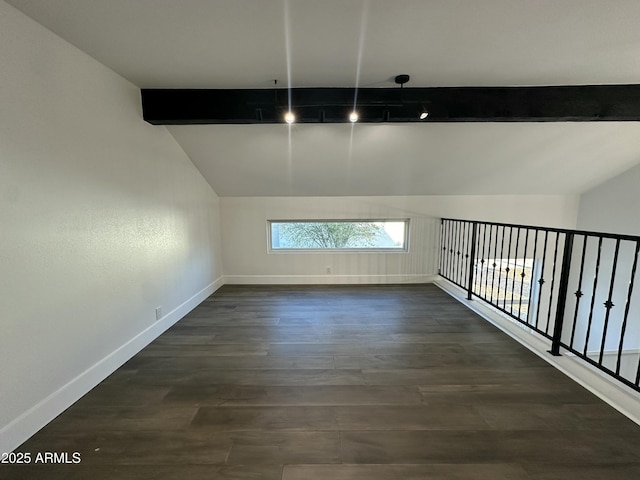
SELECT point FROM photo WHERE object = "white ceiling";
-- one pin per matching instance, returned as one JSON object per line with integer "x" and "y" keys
{"x": 249, "y": 43}
{"x": 409, "y": 159}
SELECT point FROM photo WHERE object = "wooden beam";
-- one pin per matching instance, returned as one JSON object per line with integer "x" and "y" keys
{"x": 582, "y": 103}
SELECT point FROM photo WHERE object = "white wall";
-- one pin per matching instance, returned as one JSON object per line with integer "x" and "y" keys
{"x": 244, "y": 237}
{"x": 613, "y": 205}
{"x": 102, "y": 219}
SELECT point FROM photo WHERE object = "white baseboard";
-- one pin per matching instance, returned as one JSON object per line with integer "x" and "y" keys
{"x": 619, "y": 396}
{"x": 27, "y": 424}
{"x": 326, "y": 279}
{"x": 613, "y": 353}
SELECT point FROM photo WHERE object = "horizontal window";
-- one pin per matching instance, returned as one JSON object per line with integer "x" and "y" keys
{"x": 346, "y": 235}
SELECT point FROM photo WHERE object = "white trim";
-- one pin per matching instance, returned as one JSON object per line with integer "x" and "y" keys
{"x": 326, "y": 279}
{"x": 606, "y": 353}
{"x": 620, "y": 397}
{"x": 27, "y": 424}
{"x": 299, "y": 251}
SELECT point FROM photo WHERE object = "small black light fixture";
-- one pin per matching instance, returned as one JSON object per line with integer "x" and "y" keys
{"x": 402, "y": 79}
{"x": 424, "y": 113}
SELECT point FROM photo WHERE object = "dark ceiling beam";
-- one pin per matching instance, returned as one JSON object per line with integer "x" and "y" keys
{"x": 582, "y": 103}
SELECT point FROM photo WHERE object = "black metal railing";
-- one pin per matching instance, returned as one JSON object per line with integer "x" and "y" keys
{"x": 575, "y": 288}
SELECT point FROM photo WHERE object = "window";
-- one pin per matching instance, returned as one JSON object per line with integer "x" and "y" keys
{"x": 341, "y": 235}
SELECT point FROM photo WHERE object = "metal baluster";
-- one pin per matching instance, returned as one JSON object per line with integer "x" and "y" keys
{"x": 501, "y": 255}
{"x": 469, "y": 250}
{"x": 441, "y": 254}
{"x": 449, "y": 249}
{"x": 471, "y": 263}
{"x": 627, "y": 307}
{"x": 553, "y": 281}
{"x": 454, "y": 248}
{"x": 533, "y": 271}
{"x": 482, "y": 259}
{"x": 593, "y": 296}
{"x": 515, "y": 271}
{"x": 461, "y": 250}
{"x": 450, "y": 246}
{"x": 609, "y": 304}
{"x": 578, "y": 293}
{"x": 541, "y": 282}
{"x": 562, "y": 292}
{"x": 464, "y": 255}
{"x": 507, "y": 270}
{"x": 522, "y": 275}
{"x": 463, "y": 246}
{"x": 494, "y": 264}
{"x": 486, "y": 286}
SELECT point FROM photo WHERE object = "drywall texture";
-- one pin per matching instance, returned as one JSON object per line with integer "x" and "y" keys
{"x": 247, "y": 260}
{"x": 103, "y": 217}
{"x": 613, "y": 205}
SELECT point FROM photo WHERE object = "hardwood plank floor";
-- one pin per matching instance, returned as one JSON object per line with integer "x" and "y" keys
{"x": 339, "y": 382}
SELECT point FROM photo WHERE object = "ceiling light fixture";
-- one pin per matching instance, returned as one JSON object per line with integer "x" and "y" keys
{"x": 289, "y": 117}
{"x": 402, "y": 79}
{"x": 424, "y": 114}
{"x": 353, "y": 117}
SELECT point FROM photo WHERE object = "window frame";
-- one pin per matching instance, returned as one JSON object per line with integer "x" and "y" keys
{"x": 404, "y": 249}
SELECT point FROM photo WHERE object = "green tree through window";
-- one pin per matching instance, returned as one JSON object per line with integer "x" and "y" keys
{"x": 338, "y": 235}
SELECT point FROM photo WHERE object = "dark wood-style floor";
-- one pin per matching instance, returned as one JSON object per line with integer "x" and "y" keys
{"x": 349, "y": 382}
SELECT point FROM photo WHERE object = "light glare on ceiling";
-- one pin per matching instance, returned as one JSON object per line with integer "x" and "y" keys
{"x": 289, "y": 117}
{"x": 353, "y": 117}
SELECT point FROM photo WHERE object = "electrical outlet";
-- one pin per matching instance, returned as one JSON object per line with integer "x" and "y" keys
{"x": 158, "y": 313}
{"x": 328, "y": 269}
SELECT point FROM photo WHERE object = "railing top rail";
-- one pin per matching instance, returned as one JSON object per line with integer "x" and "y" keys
{"x": 615, "y": 236}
